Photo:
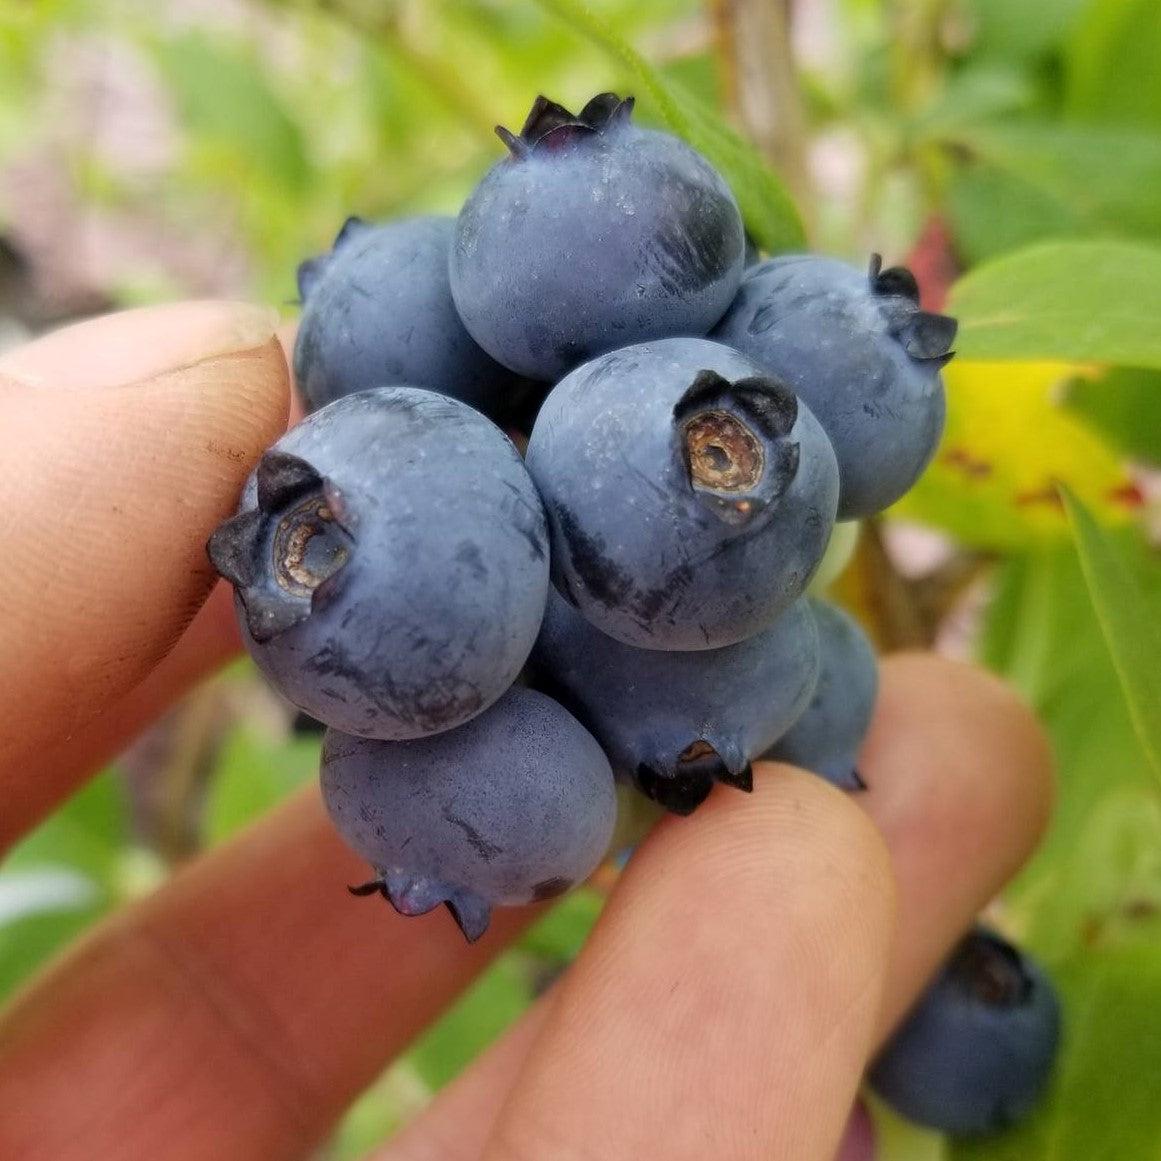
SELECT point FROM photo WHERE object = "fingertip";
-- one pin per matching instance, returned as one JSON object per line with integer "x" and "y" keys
{"x": 795, "y": 859}
{"x": 960, "y": 783}
{"x": 764, "y": 921}
{"x": 794, "y": 826}
{"x": 934, "y": 711}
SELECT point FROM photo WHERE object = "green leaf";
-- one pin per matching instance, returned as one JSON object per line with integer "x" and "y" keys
{"x": 558, "y": 937}
{"x": 900, "y": 1140}
{"x": 492, "y": 1003}
{"x": 1130, "y": 622}
{"x": 27, "y": 944}
{"x": 1099, "y": 858}
{"x": 1021, "y": 29}
{"x": 87, "y": 834}
{"x": 41, "y": 909}
{"x": 770, "y": 214}
{"x": 225, "y": 98}
{"x": 1124, "y": 405}
{"x": 42, "y": 891}
{"x": 254, "y": 774}
{"x": 1030, "y": 214}
{"x": 979, "y": 94}
{"x": 1079, "y": 301}
{"x": 1111, "y": 66}
{"x": 384, "y": 1108}
{"x": 82, "y": 843}
{"x": 1102, "y": 1103}
{"x": 1079, "y": 179}
{"x": 990, "y": 485}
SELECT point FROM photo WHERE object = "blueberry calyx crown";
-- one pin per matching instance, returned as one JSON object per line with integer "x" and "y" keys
{"x": 309, "y": 274}
{"x": 417, "y": 895}
{"x": 550, "y": 126}
{"x": 990, "y": 970}
{"x": 734, "y": 445}
{"x": 925, "y": 335}
{"x": 682, "y": 786}
{"x": 311, "y": 270}
{"x": 284, "y": 558}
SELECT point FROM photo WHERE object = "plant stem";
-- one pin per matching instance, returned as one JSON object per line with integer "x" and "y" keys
{"x": 761, "y": 85}
{"x": 901, "y": 613}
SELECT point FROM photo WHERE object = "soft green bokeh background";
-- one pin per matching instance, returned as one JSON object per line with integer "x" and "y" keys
{"x": 149, "y": 151}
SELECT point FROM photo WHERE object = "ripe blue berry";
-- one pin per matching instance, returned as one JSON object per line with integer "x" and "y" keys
{"x": 827, "y": 736}
{"x": 673, "y": 723}
{"x": 378, "y": 310}
{"x": 861, "y": 354}
{"x": 515, "y": 806}
{"x": 593, "y": 234}
{"x": 976, "y": 1051}
{"x": 390, "y": 562}
{"x": 690, "y": 496}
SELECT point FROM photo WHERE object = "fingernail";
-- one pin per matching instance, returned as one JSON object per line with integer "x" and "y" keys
{"x": 139, "y": 344}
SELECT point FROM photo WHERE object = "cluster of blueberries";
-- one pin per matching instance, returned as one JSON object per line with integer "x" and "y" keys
{"x": 494, "y": 640}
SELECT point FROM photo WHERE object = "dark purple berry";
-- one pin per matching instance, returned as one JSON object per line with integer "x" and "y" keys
{"x": 378, "y": 310}
{"x": 827, "y": 736}
{"x": 690, "y": 496}
{"x": 977, "y": 1049}
{"x": 857, "y": 348}
{"x": 513, "y": 807}
{"x": 591, "y": 235}
{"x": 674, "y": 723}
{"x": 390, "y": 563}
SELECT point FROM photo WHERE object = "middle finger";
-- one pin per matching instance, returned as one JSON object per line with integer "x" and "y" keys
{"x": 960, "y": 788}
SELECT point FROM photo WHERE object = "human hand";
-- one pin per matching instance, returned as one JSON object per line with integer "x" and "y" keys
{"x": 745, "y": 967}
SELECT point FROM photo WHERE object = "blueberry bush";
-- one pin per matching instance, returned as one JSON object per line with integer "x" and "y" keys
{"x": 1008, "y": 153}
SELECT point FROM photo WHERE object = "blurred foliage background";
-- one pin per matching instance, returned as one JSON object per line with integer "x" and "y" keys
{"x": 1011, "y": 152}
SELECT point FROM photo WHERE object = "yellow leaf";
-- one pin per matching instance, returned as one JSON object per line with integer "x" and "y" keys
{"x": 1008, "y": 443}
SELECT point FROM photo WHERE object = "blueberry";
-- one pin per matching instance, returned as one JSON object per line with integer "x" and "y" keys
{"x": 378, "y": 310}
{"x": 827, "y": 736}
{"x": 673, "y": 723}
{"x": 690, "y": 495}
{"x": 976, "y": 1051}
{"x": 390, "y": 561}
{"x": 515, "y": 806}
{"x": 861, "y": 354}
{"x": 592, "y": 235}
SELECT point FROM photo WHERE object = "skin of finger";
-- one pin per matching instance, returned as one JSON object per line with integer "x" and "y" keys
{"x": 457, "y": 1124}
{"x": 961, "y": 785}
{"x": 738, "y": 965}
{"x": 234, "y": 1014}
{"x": 134, "y": 345}
{"x": 449, "y": 1129}
{"x": 954, "y": 838}
{"x": 110, "y": 497}
{"x": 211, "y": 640}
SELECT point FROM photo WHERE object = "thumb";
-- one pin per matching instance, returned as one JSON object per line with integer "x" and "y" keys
{"x": 123, "y": 442}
